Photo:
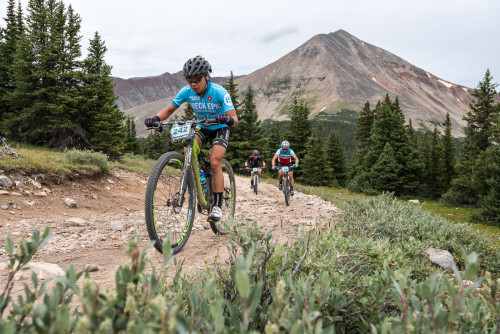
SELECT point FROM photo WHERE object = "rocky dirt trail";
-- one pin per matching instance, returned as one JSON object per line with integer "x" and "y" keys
{"x": 94, "y": 228}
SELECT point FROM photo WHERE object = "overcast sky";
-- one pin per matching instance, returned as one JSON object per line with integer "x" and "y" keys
{"x": 456, "y": 40}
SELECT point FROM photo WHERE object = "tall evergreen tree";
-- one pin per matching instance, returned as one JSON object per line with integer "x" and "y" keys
{"x": 486, "y": 177}
{"x": 131, "y": 144}
{"x": 449, "y": 153}
{"x": 385, "y": 173}
{"x": 315, "y": 163}
{"x": 363, "y": 133}
{"x": 435, "y": 177}
{"x": 337, "y": 159}
{"x": 105, "y": 118}
{"x": 478, "y": 137}
{"x": 299, "y": 131}
{"x": 250, "y": 129}
{"x": 389, "y": 128}
{"x": 9, "y": 38}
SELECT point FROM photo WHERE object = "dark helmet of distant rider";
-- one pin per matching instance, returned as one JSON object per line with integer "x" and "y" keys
{"x": 196, "y": 67}
{"x": 256, "y": 153}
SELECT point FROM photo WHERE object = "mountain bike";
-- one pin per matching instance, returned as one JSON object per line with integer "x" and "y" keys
{"x": 255, "y": 171}
{"x": 174, "y": 185}
{"x": 6, "y": 150}
{"x": 286, "y": 181}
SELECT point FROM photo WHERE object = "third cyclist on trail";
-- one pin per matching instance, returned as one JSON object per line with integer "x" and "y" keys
{"x": 284, "y": 156}
{"x": 254, "y": 160}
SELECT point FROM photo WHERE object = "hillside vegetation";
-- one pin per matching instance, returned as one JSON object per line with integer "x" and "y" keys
{"x": 370, "y": 273}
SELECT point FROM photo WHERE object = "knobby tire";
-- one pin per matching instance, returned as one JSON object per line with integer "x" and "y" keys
{"x": 286, "y": 189}
{"x": 162, "y": 216}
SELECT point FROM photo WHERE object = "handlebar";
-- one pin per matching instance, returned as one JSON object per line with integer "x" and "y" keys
{"x": 160, "y": 125}
{"x": 291, "y": 167}
{"x": 250, "y": 168}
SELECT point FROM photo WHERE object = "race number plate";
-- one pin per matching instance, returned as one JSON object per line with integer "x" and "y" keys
{"x": 255, "y": 169}
{"x": 179, "y": 132}
{"x": 285, "y": 169}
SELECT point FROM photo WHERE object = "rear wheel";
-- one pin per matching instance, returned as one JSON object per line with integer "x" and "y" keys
{"x": 228, "y": 199}
{"x": 286, "y": 189}
{"x": 163, "y": 209}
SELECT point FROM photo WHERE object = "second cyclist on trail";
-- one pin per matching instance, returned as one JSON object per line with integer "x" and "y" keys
{"x": 211, "y": 101}
{"x": 284, "y": 156}
{"x": 254, "y": 160}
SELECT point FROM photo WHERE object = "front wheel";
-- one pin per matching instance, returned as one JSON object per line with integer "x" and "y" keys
{"x": 286, "y": 189}
{"x": 256, "y": 183}
{"x": 228, "y": 199}
{"x": 166, "y": 212}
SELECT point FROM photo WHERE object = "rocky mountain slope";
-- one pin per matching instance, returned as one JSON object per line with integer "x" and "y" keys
{"x": 331, "y": 72}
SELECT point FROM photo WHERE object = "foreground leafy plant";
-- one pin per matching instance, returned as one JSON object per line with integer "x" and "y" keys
{"x": 320, "y": 282}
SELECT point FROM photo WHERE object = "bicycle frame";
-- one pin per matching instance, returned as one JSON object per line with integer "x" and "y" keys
{"x": 191, "y": 163}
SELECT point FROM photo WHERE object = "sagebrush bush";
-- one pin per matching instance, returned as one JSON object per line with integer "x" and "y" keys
{"x": 88, "y": 157}
{"x": 385, "y": 217}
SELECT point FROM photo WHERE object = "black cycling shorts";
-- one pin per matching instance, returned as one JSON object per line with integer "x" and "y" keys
{"x": 214, "y": 137}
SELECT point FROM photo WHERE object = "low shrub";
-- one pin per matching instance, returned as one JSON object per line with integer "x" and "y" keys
{"x": 385, "y": 217}
{"x": 88, "y": 157}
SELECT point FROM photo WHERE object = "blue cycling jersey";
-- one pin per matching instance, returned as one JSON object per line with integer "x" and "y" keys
{"x": 215, "y": 101}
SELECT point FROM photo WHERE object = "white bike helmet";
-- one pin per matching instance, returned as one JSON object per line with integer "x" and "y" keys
{"x": 285, "y": 144}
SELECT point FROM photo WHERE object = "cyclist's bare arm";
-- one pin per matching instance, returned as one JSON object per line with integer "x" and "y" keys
{"x": 273, "y": 163}
{"x": 232, "y": 113}
{"x": 296, "y": 160}
{"x": 165, "y": 113}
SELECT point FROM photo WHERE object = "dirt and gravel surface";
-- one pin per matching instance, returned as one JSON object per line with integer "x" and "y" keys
{"x": 94, "y": 229}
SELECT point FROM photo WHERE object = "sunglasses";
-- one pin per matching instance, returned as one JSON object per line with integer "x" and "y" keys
{"x": 195, "y": 79}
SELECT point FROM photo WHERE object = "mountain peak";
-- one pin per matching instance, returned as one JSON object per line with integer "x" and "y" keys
{"x": 336, "y": 71}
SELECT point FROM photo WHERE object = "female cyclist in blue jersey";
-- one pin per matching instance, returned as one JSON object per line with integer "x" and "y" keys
{"x": 212, "y": 101}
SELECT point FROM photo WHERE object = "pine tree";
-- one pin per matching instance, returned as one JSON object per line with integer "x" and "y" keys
{"x": 315, "y": 163}
{"x": 358, "y": 172}
{"x": 435, "y": 177}
{"x": 478, "y": 137}
{"x": 105, "y": 118}
{"x": 9, "y": 38}
{"x": 299, "y": 131}
{"x": 337, "y": 159}
{"x": 448, "y": 153}
{"x": 250, "y": 129}
{"x": 45, "y": 77}
{"x": 131, "y": 144}
{"x": 388, "y": 128}
{"x": 385, "y": 173}
{"x": 486, "y": 177}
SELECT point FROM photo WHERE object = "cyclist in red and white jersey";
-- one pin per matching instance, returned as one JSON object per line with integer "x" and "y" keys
{"x": 284, "y": 156}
